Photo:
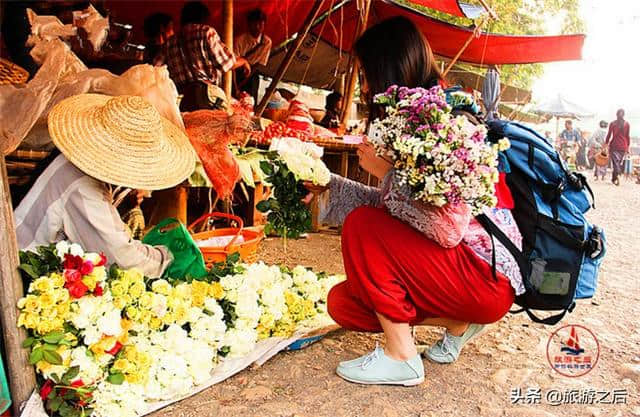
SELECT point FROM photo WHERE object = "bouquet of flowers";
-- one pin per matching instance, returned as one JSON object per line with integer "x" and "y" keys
{"x": 107, "y": 342}
{"x": 291, "y": 162}
{"x": 442, "y": 158}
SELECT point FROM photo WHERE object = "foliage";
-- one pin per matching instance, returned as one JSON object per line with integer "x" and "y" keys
{"x": 518, "y": 17}
{"x": 288, "y": 216}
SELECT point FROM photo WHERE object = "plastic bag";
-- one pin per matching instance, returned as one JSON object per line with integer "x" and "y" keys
{"x": 210, "y": 133}
{"x": 96, "y": 26}
{"x": 188, "y": 260}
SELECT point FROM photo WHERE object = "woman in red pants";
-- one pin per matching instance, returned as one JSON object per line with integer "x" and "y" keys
{"x": 396, "y": 276}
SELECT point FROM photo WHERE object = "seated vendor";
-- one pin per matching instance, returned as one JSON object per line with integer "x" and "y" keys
{"x": 105, "y": 142}
{"x": 333, "y": 104}
{"x": 255, "y": 47}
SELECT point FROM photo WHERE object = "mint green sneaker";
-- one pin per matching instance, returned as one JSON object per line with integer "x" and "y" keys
{"x": 358, "y": 361}
{"x": 447, "y": 349}
{"x": 376, "y": 368}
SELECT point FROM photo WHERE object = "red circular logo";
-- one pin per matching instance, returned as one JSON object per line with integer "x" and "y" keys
{"x": 573, "y": 350}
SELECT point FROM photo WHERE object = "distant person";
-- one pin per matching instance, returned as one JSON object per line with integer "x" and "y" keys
{"x": 333, "y": 104}
{"x": 596, "y": 142}
{"x": 547, "y": 136}
{"x": 618, "y": 142}
{"x": 569, "y": 134}
{"x": 158, "y": 28}
{"x": 581, "y": 157}
{"x": 197, "y": 58}
{"x": 255, "y": 47}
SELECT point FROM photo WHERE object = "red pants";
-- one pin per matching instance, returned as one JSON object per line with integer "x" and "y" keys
{"x": 394, "y": 270}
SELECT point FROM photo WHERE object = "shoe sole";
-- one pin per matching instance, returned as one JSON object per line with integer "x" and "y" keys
{"x": 406, "y": 382}
{"x": 426, "y": 352}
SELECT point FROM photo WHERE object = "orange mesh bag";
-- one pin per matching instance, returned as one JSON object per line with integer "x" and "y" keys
{"x": 210, "y": 133}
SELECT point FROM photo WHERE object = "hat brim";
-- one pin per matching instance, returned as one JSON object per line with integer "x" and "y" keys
{"x": 99, "y": 152}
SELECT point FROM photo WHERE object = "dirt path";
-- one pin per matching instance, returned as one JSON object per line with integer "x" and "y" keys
{"x": 511, "y": 354}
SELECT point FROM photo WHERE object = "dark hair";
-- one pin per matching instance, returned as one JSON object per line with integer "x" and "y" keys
{"x": 603, "y": 124}
{"x": 394, "y": 52}
{"x": 155, "y": 23}
{"x": 194, "y": 12}
{"x": 256, "y": 15}
{"x": 332, "y": 100}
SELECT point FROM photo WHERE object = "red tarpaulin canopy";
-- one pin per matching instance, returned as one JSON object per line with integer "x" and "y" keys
{"x": 320, "y": 65}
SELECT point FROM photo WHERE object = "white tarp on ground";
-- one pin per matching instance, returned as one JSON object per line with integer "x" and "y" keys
{"x": 264, "y": 350}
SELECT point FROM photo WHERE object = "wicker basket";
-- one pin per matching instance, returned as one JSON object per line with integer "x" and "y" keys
{"x": 11, "y": 73}
{"x": 248, "y": 249}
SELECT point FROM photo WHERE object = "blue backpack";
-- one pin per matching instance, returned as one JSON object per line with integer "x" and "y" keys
{"x": 561, "y": 251}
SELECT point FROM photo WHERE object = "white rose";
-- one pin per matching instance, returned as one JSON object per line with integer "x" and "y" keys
{"x": 76, "y": 250}
{"x": 62, "y": 248}
{"x": 109, "y": 324}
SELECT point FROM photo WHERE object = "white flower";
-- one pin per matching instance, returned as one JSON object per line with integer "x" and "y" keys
{"x": 90, "y": 370}
{"x": 76, "y": 250}
{"x": 62, "y": 248}
{"x": 240, "y": 342}
{"x": 109, "y": 324}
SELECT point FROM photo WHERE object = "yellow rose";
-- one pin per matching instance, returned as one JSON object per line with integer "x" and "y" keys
{"x": 43, "y": 366}
{"x": 31, "y": 304}
{"x": 199, "y": 287}
{"x": 133, "y": 313}
{"x": 127, "y": 299}
{"x": 70, "y": 337}
{"x": 100, "y": 272}
{"x": 197, "y": 300}
{"x": 44, "y": 327}
{"x": 22, "y": 319}
{"x": 117, "y": 289}
{"x": 145, "y": 300}
{"x": 144, "y": 360}
{"x": 133, "y": 275}
{"x": 182, "y": 291}
{"x": 136, "y": 289}
{"x": 155, "y": 323}
{"x": 57, "y": 280}
{"x": 134, "y": 378}
{"x": 168, "y": 319}
{"x": 103, "y": 345}
{"x": 46, "y": 300}
{"x": 119, "y": 303}
{"x": 22, "y": 302}
{"x": 216, "y": 291}
{"x": 120, "y": 364}
{"x": 130, "y": 353}
{"x": 90, "y": 281}
{"x": 63, "y": 309}
{"x": 31, "y": 321}
{"x": 161, "y": 286}
{"x": 43, "y": 284}
{"x": 145, "y": 317}
{"x": 62, "y": 295}
{"x": 180, "y": 315}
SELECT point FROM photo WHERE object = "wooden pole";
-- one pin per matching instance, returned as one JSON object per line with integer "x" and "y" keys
{"x": 488, "y": 8}
{"x": 464, "y": 48}
{"x": 353, "y": 64}
{"x": 22, "y": 379}
{"x": 227, "y": 16}
{"x": 289, "y": 56}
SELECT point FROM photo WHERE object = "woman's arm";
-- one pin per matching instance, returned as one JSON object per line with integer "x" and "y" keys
{"x": 91, "y": 220}
{"x": 344, "y": 196}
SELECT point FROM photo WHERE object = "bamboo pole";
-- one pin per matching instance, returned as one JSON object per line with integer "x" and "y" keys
{"x": 289, "y": 56}
{"x": 353, "y": 64}
{"x": 464, "y": 48}
{"x": 21, "y": 376}
{"x": 488, "y": 8}
{"x": 227, "y": 16}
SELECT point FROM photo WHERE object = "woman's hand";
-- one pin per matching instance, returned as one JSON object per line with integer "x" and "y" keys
{"x": 370, "y": 162}
{"x": 314, "y": 190}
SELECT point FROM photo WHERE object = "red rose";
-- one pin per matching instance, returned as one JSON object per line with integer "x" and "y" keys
{"x": 77, "y": 383}
{"x": 98, "y": 291}
{"x": 86, "y": 268}
{"x": 103, "y": 260}
{"x": 77, "y": 289}
{"x": 115, "y": 349}
{"x": 72, "y": 275}
{"x": 72, "y": 261}
{"x": 46, "y": 389}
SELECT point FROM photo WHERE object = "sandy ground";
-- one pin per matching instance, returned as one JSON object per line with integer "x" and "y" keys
{"x": 511, "y": 354}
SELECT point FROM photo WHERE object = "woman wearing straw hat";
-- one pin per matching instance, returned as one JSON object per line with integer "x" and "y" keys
{"x": 105, "y": 142}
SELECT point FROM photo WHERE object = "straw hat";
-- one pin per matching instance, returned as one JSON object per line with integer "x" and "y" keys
{"x": 122, "y": 141}
{"x": 11, "y": 73}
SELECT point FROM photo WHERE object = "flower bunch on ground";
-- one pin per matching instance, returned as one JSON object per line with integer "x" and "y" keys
{"x": 128, "y": 340}
{"x": 444, "y": 159}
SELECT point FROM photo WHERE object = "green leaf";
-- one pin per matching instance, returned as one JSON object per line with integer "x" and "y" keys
{"x": 52, "y": 357}
{"x": 116, "y": 378}
{"x": 54, "y": 404}
{"x": 36, "y": 356}
{"x": 49, "y": 347}
{"x": 234, "y": 258}
{"x": 266, "y": 167}
{"x": 56, "y": 378}
{"x": 53, "y": 337}
{"x": 70, "y": 375}
{"x": 28, "y": 342}
{"x": 30, "y": 270}
{"x": 263, "y": 206}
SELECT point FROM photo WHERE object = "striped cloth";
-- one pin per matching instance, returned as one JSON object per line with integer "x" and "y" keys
{"x": 65, "y": 203}
{"x": 197, "y": 54}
